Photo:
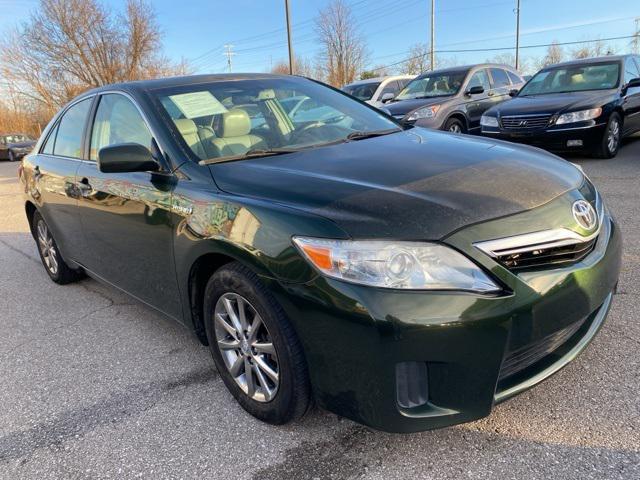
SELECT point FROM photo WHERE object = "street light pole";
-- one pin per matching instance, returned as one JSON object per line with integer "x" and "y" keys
{"x": 433, "y": 34}
{"x": 286, "y": 7}
{"x": 517, "y": 34}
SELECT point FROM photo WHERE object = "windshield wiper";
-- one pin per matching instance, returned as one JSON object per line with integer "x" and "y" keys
{"x": 353, "y": 136}
{"x": 253, "y": 153}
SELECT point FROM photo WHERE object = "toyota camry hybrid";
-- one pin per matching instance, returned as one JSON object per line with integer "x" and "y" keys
{"x": 405, "y": 278}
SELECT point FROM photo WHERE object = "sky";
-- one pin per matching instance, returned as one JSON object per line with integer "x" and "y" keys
{"x": 197, "y": 30}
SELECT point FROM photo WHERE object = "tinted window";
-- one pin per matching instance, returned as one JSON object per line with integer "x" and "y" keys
{"x": 514, "y": 78}
{"x": 479, "y": 79}
{"x": 362, "y": 91}
{"x": 68, "y": 141}
{"x": 117, "y": 121}
{"x": 500, "y": 78}
{"x": 391, "y": 87}
{"x": 630, "y": 70}
{"x": 433, "y": 85}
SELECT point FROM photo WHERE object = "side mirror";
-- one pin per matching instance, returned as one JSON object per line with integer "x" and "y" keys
{"x": 126, "y": 157}
{"x": 633, "y": 83}
{"x": 514, "y": 92}
{"x": 476, "y": 90}
{"x": 386, "y": 97}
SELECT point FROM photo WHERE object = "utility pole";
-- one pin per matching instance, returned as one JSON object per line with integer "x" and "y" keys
{"x": 286, "y": 7}
{"x": 636, "y": 40}
{"x": 517, "y": 12}
{"x": 433, "y": 34}
{"x": 229, "y": 53}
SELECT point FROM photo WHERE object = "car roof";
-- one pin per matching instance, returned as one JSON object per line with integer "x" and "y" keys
{"x": 168, "y": 82}
{"x": 378, "y": 79}
{"x": 583, "y": 61}
{"x": 464, "y": 68}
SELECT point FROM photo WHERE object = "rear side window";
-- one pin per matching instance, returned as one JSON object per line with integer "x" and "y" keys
{"x": 68, "y": 142}
{"x": 500, "y": 78}
{"x": 514, "y": 78}
{"x": 48, "y": 147}
{"x": 117, "y": 121}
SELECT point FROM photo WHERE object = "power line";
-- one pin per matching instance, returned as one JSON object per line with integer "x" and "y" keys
{"x": 228, "y": 54}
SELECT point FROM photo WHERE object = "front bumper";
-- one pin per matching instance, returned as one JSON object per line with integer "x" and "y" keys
{"x": 357, "y": 339}
{"x": 583, "y": 137}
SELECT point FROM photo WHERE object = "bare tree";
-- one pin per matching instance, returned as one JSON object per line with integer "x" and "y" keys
{"x": 554, "y": 55}
{"x": 68, "y": 46}
{"x": 418, "y": 60}
{"x": 302, "y": 66}
{"x": 343, "y": 47}
{"x": 594, "y": 49}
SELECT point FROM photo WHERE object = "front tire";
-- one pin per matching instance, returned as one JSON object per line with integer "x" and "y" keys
{"x": 455, "y": 125}
{"x": 255, "y": 349}
{"x": 54, "y": 265}
{"x": 610, "y": 143}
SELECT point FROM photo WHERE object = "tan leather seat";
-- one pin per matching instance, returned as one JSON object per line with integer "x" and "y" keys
{"x": 189, "y": 132}
{"x": 232, "y": 134}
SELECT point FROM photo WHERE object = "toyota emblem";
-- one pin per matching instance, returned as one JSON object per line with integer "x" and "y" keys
{"x": 585, "y": 215}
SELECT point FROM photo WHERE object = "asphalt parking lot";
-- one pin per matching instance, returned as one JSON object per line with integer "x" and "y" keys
{"x": 96, "y": 385}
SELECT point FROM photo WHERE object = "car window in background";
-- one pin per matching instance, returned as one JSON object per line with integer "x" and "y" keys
{"x": 362, "y": 91}
{"x": 515, "y": 79}
{"x": 117, "y": 121}
{"x": 500, "y": 78}
{"x": 480, "y": 79}
{"x": 574, "y": 78}
{"x": 433, "y": 85}
{"x": 68, "y": 141}
{"x": 391, "y": 87}
{"x": 240, "y": 116}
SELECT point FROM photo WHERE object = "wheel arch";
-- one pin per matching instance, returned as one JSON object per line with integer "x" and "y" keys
{"x": 459, "y": 116}
{"x": 30, "y": 209}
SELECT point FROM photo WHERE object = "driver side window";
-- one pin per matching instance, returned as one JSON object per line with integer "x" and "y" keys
{"x": 117, "y": 121}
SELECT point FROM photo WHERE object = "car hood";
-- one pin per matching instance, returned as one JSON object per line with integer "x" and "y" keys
{"x": 554, "y": 103}
{"x": 412, "y": 185}
{"x": 26, "y": 144}
{"x": 403, "y": 107}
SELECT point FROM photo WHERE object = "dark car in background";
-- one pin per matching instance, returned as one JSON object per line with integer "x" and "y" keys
{"x": 454, "y": 99}
{"x": 15, "y": 146}
{"x": 585, "y": 105}
{"x": 405, "y": 278}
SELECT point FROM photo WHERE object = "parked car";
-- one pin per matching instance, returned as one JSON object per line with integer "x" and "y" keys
{"x": 454, "y": 99}
{"x": 404, "y": 278}
{"x": 377, "y": 91}
{"x": 15, "y": 146}
{"x": 583, "y": 105}
{"x": 302, "y": 109}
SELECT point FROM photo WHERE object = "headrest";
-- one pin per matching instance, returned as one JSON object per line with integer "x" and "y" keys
{"x": 267, "y": 94}
{"x": 233, "y": 123}
{"x": 186, "y": 126}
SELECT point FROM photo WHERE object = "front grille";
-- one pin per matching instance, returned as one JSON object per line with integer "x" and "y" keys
{"x": 523, "y": 357}
{"x": 525, "y": 122}
{"x": 532, "y": 257}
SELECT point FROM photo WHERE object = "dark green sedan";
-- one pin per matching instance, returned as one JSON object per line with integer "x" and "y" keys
{"x": 405, "y": 278}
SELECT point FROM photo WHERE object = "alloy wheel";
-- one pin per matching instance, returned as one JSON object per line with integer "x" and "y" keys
{"x": 246, "y": 347}
{"x": 47, "y": 247}
{"x": 613, "y": 136}
{"x": 455, "y": 128}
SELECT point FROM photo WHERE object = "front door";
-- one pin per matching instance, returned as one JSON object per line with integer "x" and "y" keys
{"x": 479, "y": 103}
{"x": 631, "y": 102}
{"x": 125, "y": 217}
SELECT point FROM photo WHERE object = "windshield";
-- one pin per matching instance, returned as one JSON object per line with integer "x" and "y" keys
{"x": 433, "y": 85}
{"x": 230, "y": 119}
{"x": 575, "y": 78}
{"x": 362, "y": 91}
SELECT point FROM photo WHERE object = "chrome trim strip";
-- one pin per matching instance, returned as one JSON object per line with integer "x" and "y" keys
{"x": 596, "y": 323}
{"x": 544, "y": 239}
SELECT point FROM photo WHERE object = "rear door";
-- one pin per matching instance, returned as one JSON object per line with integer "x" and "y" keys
{"x": 51, "y": 177}
{"x": 501, "y": 85}
{"x": 479, "y": 103}
{"x": 631, "y": 101}
{"x": 125, "y": 217}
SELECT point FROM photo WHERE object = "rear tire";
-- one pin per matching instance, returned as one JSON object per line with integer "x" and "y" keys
{"x": 610, "y": 143}
{"x": 276, "y": 388}
{"x": 54, "y": 265}
{"x": 455, "y": 125}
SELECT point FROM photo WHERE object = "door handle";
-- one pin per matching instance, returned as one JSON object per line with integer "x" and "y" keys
{"x": 491, "y": 93}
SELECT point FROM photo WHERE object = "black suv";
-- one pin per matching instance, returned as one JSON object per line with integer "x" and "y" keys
{"x": 584, "y": 105}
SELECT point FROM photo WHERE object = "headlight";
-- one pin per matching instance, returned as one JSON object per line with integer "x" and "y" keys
{"x": 579, "y": 116}
{"x": 400, "y": 265}
{"x": 426, "y": 112}
{"x": 487, "y": 121}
